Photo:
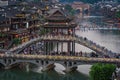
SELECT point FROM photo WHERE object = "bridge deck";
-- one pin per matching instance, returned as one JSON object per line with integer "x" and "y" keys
{"x": 61, "y": 58}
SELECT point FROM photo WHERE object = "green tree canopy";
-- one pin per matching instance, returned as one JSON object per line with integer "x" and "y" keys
{"x": 16, "y": 41}
{"x": 102, "y": 71}
{"x": 118, "y": 14}
{"x": 70, "y": 9}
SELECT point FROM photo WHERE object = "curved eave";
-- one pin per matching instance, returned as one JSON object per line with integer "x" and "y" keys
{"x": 57, "y": 40}
{"x": 58, "y": 19}
{"x": 60, "y": 26}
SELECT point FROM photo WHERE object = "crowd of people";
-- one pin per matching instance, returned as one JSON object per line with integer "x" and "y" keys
{"x": 38, "y": 48}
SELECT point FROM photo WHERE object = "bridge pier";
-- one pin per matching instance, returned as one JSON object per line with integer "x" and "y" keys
{"x": 6, "y": 63}
{"x": 47, "y": 66}
{"x": 57, "y": 47}
{"x": 7, "y": 67}
{"x": 73, "y": 48}
{"x": 70, "y": 67}
{"x": 27, "y": 67}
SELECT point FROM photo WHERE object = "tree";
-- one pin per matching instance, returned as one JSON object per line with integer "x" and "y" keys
{"x": 102, "y": 71}
{"x": 17, "y": 41}
{"x": 70, "y": 9}
{"x": 118, "y": 14}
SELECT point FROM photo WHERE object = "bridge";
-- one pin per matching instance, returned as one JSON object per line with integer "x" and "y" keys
{"x": 100, "y": 50}
{"x": 70, "y": 62}
{"x": 15, "y": 55}
{"x": 96, "y": 24}
{"x": 80, "y": 6}
{"x": 98, "y": 28}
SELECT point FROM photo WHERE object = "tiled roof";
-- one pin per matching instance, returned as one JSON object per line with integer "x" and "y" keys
{"x": 52, "y": 11}
{"x": 2, "y": 18}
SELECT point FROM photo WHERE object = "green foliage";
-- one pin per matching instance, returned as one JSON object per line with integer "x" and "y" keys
{"x": 17, "y": 41}
{"x": 101, "y": 71}
{"x": 118, "y": 14}
{"x": 43, "y": 31}
{"x": 2, "y": 35}
{"x": 70, "y": 9}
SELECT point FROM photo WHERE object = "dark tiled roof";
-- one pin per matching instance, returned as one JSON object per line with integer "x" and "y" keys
{"x": 64, "y": 13}
{"x": 3, "y": 18}
{"x": 13, "y": 2}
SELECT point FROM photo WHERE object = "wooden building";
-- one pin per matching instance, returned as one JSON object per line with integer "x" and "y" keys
{"x": 4, "y": 28}
{"x": 18, "y": 27}
{"x": 59, "y": 23}
{"x": 20, "y": 24}
{"x": 23, "y": 25}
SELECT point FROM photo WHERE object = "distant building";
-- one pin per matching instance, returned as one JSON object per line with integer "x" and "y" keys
{"x": 3, "y": 3}
{"x": 80, "y": 6}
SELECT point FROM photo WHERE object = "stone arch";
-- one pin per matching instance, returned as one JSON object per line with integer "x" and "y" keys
{"x": 59, "y": 68}
{"x": 3, "y": 62}
{"x": 86, "y": 10}
{"x": 57, "y": 63}
{"x": 35, "y": 62}
{"x": 68, "y": 65}
{"x": 83, "y": 67}
{"x": 80, "y": 9}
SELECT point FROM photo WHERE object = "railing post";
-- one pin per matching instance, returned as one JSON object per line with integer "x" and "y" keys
{"x": 57, "y": 47}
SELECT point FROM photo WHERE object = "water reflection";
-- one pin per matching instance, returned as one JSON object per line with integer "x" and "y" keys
{"x": 17, "y": 74}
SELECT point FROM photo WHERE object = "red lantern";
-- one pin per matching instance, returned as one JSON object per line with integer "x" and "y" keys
{"x": 16, "y": 36}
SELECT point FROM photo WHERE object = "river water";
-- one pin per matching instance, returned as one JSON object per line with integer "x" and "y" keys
{"x": 106, "y": 38}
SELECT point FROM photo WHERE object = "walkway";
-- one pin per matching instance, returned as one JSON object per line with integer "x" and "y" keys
{"x": 95, "y": 47}
{"x": 24, "y": 45}
{"x": 81, "y": 40}
{"x": 97, "y": 26}
{"x": 60, "y": 58}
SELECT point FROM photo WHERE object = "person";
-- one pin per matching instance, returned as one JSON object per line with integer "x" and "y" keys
{"x": 113, "y": 76}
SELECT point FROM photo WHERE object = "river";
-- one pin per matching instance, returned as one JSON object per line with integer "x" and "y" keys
{"x": 106, "y": 38}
